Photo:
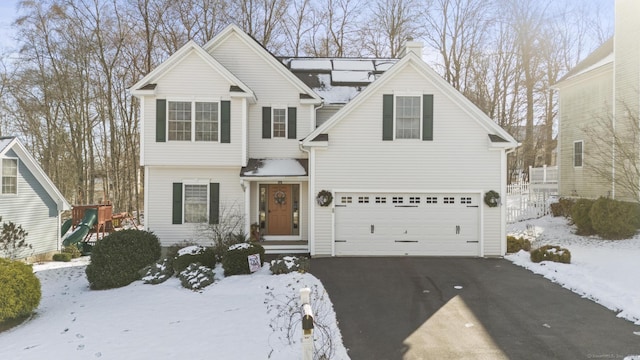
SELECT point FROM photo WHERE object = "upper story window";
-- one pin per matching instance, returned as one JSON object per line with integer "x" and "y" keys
{"x": 279, "y": 123}
{"x": 9, "y": 176}
{"x": 407, "y": 117}
{"x": 577, "y": 153}
{"x": 193, "y": 120}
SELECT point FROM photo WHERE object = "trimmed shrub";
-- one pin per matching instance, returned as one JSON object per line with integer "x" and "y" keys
{"x": 117, "y": 259}
{"x": 194, "y": 254}
{"x": 72, "y": 250}
{"x": 612, "y": 219}
{"x": 580, "y": 216}
{"x": 288, "y": 264}
{"x": 19, "y": 290}
{"x": 235, "y": 260}
{"x": 196, "y": 277}
{"x": 565, "y": 205}
{"x": 551, "y": 253}
{"x": 515, "y": 244}
{"x": 64, "y": 257}
{"x": 158, "y": 272}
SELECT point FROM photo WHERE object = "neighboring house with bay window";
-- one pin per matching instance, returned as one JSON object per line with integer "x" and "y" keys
{"x": 28, "y": 198}
{"x": 402, "y": 159}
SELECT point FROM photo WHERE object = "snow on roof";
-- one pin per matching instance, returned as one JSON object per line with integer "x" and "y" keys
{"x": 274, "y": 167}
{"x": 338, "y": 80}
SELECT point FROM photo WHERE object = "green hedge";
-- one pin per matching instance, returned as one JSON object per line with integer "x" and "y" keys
{"x": 73, "y": 250}
{"x": 194, "y": 254}
{"x": 64, "y": 257}
{"x": 235, "y": 260}
{"x": 580, "y": 216}
{"x": 612, "y": 219}
{"x": 117, "y": 259}
{"x": 516, "y": 244}
{"x": 19, "y": 290}
{"x": 551, "y": 253}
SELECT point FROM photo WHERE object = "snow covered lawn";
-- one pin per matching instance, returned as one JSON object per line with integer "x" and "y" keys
{"x": 238, "y": 317}
{"x": 605, "y": 271}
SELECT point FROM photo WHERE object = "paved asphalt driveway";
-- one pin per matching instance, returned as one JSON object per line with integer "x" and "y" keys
{"x": 454, "y": 308}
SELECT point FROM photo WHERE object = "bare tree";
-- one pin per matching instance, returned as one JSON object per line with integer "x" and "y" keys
{"x": 392, "y": 23}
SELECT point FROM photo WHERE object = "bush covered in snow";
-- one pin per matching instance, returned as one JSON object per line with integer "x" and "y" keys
{"x": 287, "y": 264}
{"x": 551, "y": 253}
{"x": 613, "y": 219}
{"x": 580, "y": 216}
{"x": 196, "y": 276}
{"x": 19, "y": 289}
{"x": 117, "y": 259}
{"x": 235, "y": 260}
{"x": 515, "y": 244}
{"x": 158, "y": 272}
{"x": 194, "y": 254}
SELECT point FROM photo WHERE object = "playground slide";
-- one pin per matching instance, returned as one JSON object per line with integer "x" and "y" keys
{"x": 65, "y": 227}
{"x": 87, "y": 222}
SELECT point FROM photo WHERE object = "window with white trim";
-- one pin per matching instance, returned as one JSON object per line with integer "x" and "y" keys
{"x": 449, "y": 200}
{"x": 9, "y": 176}
{"x": 381, "y": 199}
{"x": 279, "y": 121}
{"x": 431, "y": 200}
{"x": 578, "y": 152}
{"x": 408, "y": 117}
{"x": 187, "y": 120}
{"x": 196, "y": 203}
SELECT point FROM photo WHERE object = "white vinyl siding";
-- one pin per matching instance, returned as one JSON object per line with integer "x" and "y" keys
{"x": 193, "y": 81}
{"x": 262, "y": 78}
{"x": 9, "y": 176}
{"x": 366, "y": 163}
{"x": 159, "y": 193}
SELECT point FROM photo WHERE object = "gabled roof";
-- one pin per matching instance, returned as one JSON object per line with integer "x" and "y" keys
{"x": 264, "y": 54}
{"x": 417, "y": 63}
{"x": 147, "y": 83}
{"x": 601, "y": 56}
{"x": 8, "y": 143}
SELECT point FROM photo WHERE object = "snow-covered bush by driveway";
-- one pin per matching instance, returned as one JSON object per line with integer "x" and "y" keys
{"x": 551, "y": 253}
{"x": 158, "y": 272}
{"x": 235, "y": 260}
{"x": 117, "y": 259}
{"x": 194, "y": 254}
{"x": 19, "y": 289}
{"x": 196, "y": 277}
{"x": 288, "y": 264}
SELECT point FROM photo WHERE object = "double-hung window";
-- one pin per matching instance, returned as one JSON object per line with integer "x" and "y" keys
{"x": 189, "y": 121}
{"x": 408, "y": 117}
{"x": 279, "y": 122}
{"x": 9, "y": 176}
{"x": 577, "y": 153}
{"x": 196, "y": 203}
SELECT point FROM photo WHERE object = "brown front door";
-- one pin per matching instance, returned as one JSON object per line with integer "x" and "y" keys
{"x": 280, "y": 209}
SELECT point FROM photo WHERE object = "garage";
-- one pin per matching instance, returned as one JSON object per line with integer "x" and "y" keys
{"x": 426, "y": 224}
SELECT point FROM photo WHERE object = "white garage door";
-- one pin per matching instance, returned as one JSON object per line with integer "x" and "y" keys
{"x": 437, "y": 224}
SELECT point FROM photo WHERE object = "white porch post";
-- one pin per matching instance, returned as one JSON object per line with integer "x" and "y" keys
{"x": 246, "y": 187}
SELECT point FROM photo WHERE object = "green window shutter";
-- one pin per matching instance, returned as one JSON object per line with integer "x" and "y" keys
{"x": 214, "y": 203}
{"x": 292, "y": 121}
{"x": 387, "y": 117}
{"x": 161, "y": 120}
{"x": 177, "y": 203}
{"x": 266, "y": 122}
{"x": 427, "y": 117}
{"x": 225, "y": 121}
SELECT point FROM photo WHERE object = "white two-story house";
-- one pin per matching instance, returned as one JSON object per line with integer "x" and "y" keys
{"x": 406, "y": 160}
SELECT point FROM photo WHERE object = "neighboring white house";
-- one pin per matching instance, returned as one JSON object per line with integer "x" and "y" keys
{"x": 28, "y": 198}
{"x": 228, "y": 127}
{"x": 601, "y": 93}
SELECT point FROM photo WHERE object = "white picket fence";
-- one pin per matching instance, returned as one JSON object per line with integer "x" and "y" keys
{"x": 523, "y": 203}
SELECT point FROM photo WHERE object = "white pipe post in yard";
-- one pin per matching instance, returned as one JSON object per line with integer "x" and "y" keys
{"x": 307, "y": 324}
